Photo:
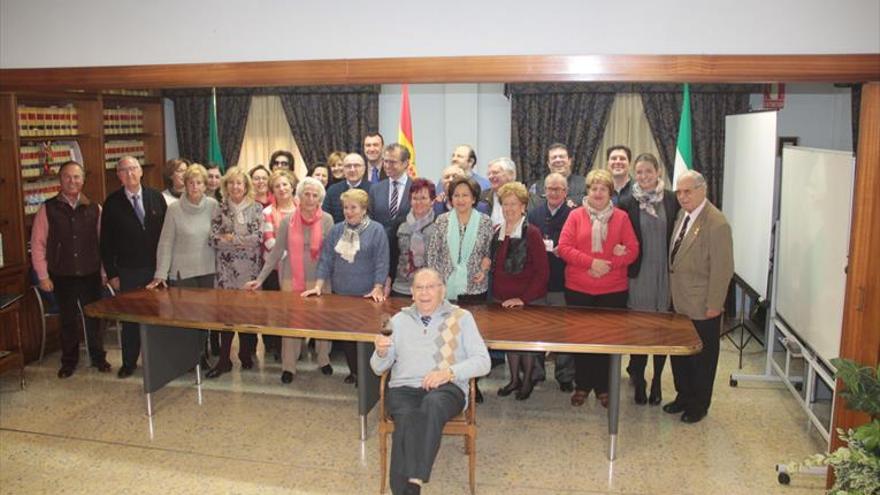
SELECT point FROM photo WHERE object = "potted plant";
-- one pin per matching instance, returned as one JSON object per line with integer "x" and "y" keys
{"x": 856, "y": 465}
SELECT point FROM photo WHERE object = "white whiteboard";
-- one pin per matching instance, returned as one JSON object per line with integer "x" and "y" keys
{"x": 749, "y": 185}
{"x": 814, "y": 224}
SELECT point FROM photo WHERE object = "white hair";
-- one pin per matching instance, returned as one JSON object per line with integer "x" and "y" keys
{"x": 506, "y": 164}
{"x": 310, "y": 181}
{"x": 699, "y": 180}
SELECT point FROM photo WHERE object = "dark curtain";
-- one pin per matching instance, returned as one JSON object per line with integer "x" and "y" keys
{"x": 856, "y": 99}
{"x": 191, "y": 121}
{"x": 574, "y": 114}
{"x": 326, "y": 119}
{"x": 710, "y": 104}
{"x": 191, "y": 109}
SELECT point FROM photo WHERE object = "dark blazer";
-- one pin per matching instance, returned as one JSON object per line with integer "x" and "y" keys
{"x": 368, "y": 175}
{"x": 333, "y": 204}
{"x": 551, "y": 227}
{"x": 124, "y": 242}
{"x": 618, "y": 196}
{"x": 577, "y": 189}
{"x": 629, "y": 204}
{"x": 379, "y": 211}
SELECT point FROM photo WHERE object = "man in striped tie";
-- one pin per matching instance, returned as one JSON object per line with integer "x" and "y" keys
{"x": 389, "y": 199}
{"x": 434, "y": 349}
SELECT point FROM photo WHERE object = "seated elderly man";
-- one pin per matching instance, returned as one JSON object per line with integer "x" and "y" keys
{"x": 435, "y": 348}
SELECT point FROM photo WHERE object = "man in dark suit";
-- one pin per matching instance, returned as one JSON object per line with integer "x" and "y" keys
{"x": 389, "y": 199}
{"x": 559, "y": 161}
{"x": 130, "y": 226}
{"x": 700, "y": 269}
{"x": 353, "y": 167}
{"x": 373, "y": 144}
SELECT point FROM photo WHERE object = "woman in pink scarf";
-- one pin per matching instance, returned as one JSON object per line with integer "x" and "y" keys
{"x": 299, "y": 237}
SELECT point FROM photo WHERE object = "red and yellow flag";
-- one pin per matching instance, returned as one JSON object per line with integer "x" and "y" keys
{"x": 405, "y": 132}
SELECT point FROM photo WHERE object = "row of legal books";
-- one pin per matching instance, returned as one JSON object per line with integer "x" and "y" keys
{"x": 36, "y": 193}
{"x": 116, "y": 149}
{"x": 128, "y": 92}
{"x": 123, "y": 121}
{"x": 47, "y": 121}
{"x": 45, "y": 158}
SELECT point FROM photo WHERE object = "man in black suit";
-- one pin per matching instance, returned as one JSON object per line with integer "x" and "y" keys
{"x": 130, "y": 226}
{"x": 354, "y": 167}
{"x": 373, "y": 143}
{"x": 389, "y": 199}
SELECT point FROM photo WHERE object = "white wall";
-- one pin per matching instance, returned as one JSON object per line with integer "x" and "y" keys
{"x": 818, "y": 114}
{"x": 446, "y": 115}
{"x": 64, "y": 33}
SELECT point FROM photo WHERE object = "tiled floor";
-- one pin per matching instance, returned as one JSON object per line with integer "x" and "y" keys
{"x": 251, "y": 434}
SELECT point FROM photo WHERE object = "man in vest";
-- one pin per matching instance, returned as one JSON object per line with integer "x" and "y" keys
{"x": 65, "y": 256}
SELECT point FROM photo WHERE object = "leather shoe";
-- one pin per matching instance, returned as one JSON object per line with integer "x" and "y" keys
{"x": 124, "y": 371}
{"x": 327, "y": 369}
{"x": 65, "y": 372}
{"x": 566, "y": 386}
{"x": 218, "y": 370}
{"x": 246, "y": 365}
{"x": 673, "y": 407}
{"x": 351, "y": 378}
{"x": 579, "y": 396}
{"x": 286, "y": 377}
{"x": 508, "y": 389}
{"x": 103, "y": 367}
{"x": 692, "y": 417}
{"x": 524, "y": 393}
{"x": 603, "y": 399}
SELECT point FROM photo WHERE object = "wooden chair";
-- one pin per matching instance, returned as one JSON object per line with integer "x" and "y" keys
{"x": 463, "y": 425}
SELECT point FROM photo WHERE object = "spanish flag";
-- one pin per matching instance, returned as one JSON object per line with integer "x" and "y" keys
{"x": 405, "y": 132}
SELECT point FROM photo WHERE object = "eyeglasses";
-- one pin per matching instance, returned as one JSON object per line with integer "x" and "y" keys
{"x": 422, "y": 288}
{"x": 280, "y": 162}
{"x": 352, "y": 166}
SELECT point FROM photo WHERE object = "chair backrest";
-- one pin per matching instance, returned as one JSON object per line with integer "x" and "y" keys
{"x": 47, "y": 301}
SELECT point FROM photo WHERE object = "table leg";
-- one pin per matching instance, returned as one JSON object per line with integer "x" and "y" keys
{"x": 613, "y": 404}
{"x": 149, "y": 398}
{"x": 368, "y": 385}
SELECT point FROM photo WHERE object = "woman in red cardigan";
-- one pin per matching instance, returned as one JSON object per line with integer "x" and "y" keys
{"x": 520, "y": 272}
{"x": 597, "y": 243}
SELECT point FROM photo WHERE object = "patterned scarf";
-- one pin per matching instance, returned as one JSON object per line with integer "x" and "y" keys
{"x": 237, "y": 210}
{"x": 599, "y": 220}
{"x": 460, "y": 251}
{"x": 417, "y": 238}
{"x": 648, "y": 199}
{"x": 295, "y": 247}
{"x": 350, "y": 242}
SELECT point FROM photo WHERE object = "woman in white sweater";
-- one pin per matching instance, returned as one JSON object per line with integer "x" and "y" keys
{"x": 184, "y": 258}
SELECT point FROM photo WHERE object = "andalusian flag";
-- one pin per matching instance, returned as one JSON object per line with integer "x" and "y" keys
{"x": 683, "y": 149}
{"x": 405, "y": 132}
{"x": 215, "y": 155}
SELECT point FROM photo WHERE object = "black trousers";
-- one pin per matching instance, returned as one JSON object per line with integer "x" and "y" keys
{"x": 419, "y": 416}
{"x": 69, "y": 290}
{"x": 130, "y": 279}
{"x": 591, "y": 370}
{"x": 694, "y": 375}
{"x": 638, "y": 363}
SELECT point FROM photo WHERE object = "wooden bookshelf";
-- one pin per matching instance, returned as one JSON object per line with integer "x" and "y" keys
{"x": 16, "y": 182}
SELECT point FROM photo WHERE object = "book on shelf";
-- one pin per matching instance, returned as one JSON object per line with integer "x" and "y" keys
{"x": 117, "y": 148}
{"x": 39, "y": 159}
{"x": 36, "y": 193}
{"x": 123, "y": 121}
{"x": 47, "y": 121}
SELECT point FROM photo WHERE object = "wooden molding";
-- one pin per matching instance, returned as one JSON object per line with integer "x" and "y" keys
{"x": 515, "y": 68}
{"x": 860, "y": 340}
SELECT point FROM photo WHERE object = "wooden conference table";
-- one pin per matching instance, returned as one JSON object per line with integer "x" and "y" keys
{"x": 169, "y": 352}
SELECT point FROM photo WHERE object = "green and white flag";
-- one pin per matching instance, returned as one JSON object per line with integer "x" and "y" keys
{"x": 683, "y": 149}
{"x": 215, "y": 155}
